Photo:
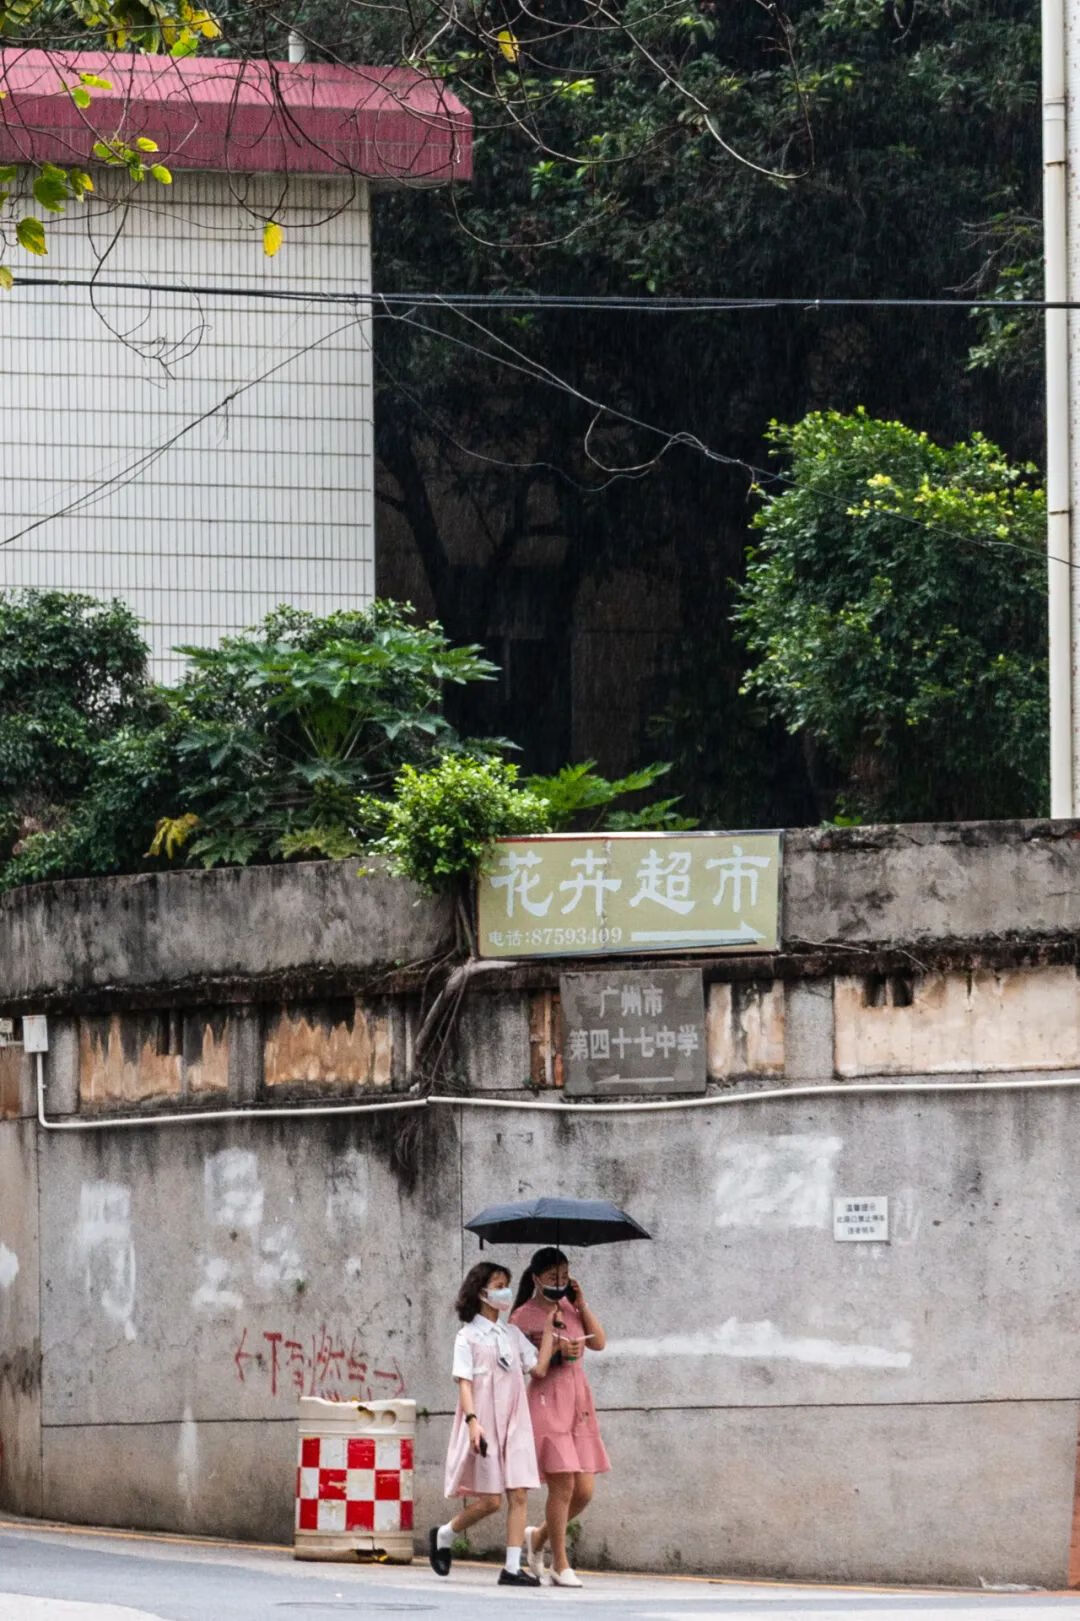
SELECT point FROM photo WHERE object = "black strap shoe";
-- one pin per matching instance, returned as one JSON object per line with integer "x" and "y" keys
{"x": 441, "y": 1558}
{"x": 518, "y": 1578}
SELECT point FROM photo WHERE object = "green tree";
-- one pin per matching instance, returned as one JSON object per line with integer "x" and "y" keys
{"x": 133, "y": 780}
{"x": 263, "y": 751}
{"x": 905, "y": 135}
{"x": 894, "y": 609}
{"x": 72, "y": 672}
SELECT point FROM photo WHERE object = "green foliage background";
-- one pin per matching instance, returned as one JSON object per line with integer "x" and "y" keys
{"x": 832, "y": 149}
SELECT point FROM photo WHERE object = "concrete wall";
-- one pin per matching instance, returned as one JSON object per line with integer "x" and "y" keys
{"x": 775, "y": 1402}
{"x": 20, "y": 1295}
{"x": 235, "y": 934}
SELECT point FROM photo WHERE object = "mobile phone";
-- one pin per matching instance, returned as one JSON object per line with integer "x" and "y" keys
{"x": 483, "y": 1446}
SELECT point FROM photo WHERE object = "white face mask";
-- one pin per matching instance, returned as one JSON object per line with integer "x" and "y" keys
{"x": 501, "y": 1299}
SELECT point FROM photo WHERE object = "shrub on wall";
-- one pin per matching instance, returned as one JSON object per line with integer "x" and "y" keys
{"x": 441, "y": 823}
{"x": 307, "y": 737}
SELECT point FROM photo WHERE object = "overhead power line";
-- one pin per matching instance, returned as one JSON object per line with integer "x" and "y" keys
{"x": 403, "y": 308}
{"x": 515, "y": 360}
{"x": 645, "y": 303}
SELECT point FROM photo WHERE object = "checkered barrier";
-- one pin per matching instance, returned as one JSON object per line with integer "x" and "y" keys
{"x": 354, "y": 1483}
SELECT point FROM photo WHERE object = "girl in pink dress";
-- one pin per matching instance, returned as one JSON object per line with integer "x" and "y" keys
{"x": 569, "y": 1450}
{"x": 491, "y": 1448}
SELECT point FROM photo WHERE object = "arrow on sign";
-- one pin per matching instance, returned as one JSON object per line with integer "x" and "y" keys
{"x": 709, "y": 937}
{"x": 634, "y": 1080}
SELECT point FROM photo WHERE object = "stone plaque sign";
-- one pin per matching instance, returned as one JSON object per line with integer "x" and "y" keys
{"x": 572, "y": 895}
{"x": 861, "y": 1219}
{"x": 633, "y": 1032}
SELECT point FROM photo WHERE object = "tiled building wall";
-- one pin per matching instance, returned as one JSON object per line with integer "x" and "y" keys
{"x": 202, "y": 451}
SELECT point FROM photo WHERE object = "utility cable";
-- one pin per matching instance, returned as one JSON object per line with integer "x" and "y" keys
{"x": 617, "y": 303}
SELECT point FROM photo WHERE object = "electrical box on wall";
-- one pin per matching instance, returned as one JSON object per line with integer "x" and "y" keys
{"x": 35, "y": 1033}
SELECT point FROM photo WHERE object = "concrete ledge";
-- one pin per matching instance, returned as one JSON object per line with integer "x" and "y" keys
{"x": 294, "y": 932}
{"x": 931, "y": 882}
{"x": 276, "y": 930}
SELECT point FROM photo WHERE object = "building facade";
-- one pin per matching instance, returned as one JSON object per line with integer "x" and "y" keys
{"x": 190, "y": 420}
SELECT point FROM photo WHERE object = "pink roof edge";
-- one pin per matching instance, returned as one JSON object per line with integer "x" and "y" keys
{"x": 244, "y": 117}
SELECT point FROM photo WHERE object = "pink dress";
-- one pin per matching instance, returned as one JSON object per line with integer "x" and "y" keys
{"x": 495, "y": 1357}
{"x": 562, "y": 1407}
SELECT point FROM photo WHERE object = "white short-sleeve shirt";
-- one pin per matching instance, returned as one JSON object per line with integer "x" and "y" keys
{"x": 503, "y": 1335}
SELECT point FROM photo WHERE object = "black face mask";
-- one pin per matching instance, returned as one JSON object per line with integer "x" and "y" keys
{"x": 552, "y": 1293}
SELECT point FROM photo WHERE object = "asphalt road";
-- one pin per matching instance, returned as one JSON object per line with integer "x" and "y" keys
{"x": 53, "y": 1574}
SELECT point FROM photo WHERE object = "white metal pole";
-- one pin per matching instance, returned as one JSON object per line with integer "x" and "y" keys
{"x": 1058, "y": 436}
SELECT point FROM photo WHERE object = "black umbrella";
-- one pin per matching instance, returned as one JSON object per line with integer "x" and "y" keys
{"x": 579, "y": 1222}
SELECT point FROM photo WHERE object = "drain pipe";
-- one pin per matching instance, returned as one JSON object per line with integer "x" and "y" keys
{"x": 1058, "y": 428}
{"x": 297, "y": 46}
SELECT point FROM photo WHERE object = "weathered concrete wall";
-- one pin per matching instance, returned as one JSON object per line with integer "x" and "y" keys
{"x": 20, "y": 1293}
{"x": 921, "y": 883}
{"x": 813, "y": 1408}
{"x": 192, "y": 930}
{"x": 195, "y": 1285}
{"x": 905, "y": 1411}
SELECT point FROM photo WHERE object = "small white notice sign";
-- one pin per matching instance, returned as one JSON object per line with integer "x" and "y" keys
{"x": 861, "y": 1218}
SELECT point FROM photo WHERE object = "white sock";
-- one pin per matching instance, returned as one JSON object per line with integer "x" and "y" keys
{"x": 444, "y": 1536}
{"x": 513, "y": 1560}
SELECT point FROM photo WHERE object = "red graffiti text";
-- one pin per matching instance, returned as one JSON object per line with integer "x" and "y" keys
{"x": 330, "y": 1362}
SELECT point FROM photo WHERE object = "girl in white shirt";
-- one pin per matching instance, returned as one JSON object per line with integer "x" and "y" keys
{"x": 491, "y": 1450}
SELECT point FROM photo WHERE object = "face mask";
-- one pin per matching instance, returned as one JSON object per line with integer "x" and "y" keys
{"x": 501, "y": 1299}
{"x": 550, "y": 1292}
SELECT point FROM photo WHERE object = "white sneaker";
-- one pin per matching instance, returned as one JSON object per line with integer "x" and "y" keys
{"x": 565, "y": 1578}
{"x": 534, "y": 1557}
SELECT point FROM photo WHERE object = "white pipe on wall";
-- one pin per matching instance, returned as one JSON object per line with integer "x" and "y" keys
{"x": 566, "y": 1110}
{"x": 1058, "y": 431}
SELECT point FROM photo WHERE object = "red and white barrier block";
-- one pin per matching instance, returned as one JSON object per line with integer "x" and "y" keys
{"x": 354, "y": 1493}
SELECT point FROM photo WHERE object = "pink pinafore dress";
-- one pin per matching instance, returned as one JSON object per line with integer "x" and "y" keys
{"x": 565, "y": 1429}
{"x": 495, "y": 1357}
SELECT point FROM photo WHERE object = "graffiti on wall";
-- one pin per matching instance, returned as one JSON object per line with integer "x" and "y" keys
{"x": 331, "y": 1362}
{"x": 103, "y": 1251}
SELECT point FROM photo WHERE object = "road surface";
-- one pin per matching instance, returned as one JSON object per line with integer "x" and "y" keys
{"x": 64, "y": 1574}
